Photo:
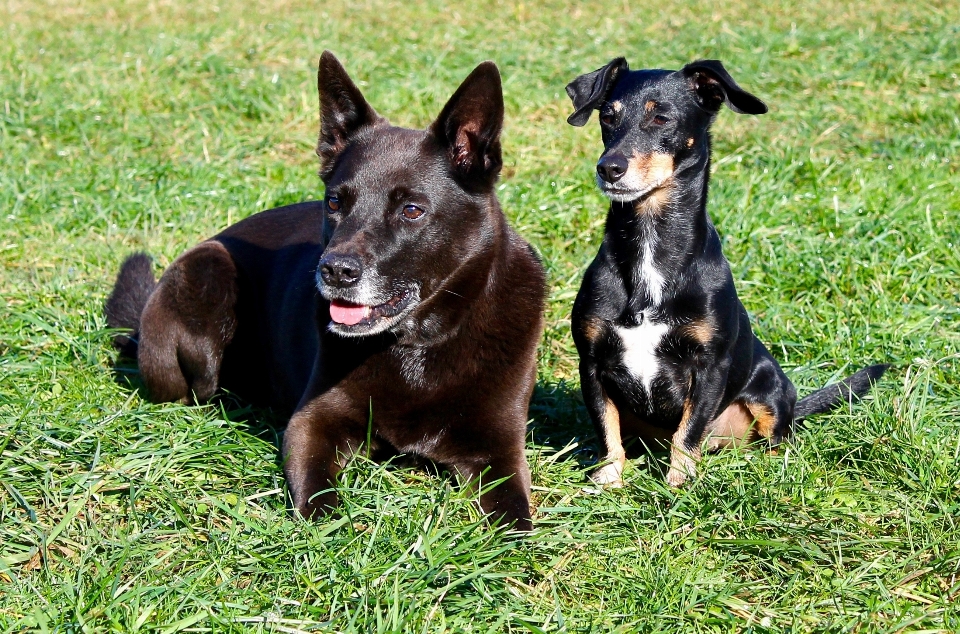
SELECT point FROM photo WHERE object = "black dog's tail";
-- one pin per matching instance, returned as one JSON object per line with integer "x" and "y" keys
{"x": 135, "y": 283}
{"x": 846, "y": 391}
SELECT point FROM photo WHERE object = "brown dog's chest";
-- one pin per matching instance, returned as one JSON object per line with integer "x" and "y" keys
{"x": 409, "y": 398}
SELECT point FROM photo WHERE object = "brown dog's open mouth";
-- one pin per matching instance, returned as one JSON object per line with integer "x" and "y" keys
{"x": 349, "y": 314}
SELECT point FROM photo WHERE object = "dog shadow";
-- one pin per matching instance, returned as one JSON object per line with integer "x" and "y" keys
{"x": 557, "y": 415}
{"x": 559, "y": 419}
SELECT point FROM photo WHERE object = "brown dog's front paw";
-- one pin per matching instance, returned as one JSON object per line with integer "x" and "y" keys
{"x": 316, "y": 506}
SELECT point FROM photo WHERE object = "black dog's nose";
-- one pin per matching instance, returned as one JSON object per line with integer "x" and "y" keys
{"x": 612, "y": 167}
{"x": 340, "y": 270}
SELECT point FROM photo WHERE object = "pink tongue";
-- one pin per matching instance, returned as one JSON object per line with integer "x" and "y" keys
{"x": 347, "y": 313}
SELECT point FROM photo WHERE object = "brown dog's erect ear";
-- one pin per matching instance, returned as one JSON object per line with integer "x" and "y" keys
{"x": 469, "y": 125}
{"x": 712, "y": 86}
{"x": 343, "y": 111}
{"x": 588, "y": 91}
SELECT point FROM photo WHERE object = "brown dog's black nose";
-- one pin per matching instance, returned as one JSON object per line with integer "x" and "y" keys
{"x": 612, "y": 167}
{"x": 340, "y": 270}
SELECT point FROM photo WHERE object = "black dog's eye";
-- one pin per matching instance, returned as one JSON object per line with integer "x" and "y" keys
{"x": 333, "y": 203}
{"x": 607, "y": 119}
{"x": 412, "y": 212}
{"x": 660, "y": 119}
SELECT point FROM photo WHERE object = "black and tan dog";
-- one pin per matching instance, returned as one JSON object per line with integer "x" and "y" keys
{"x": 666, "y": 349}
{"x": 401, "y": 306}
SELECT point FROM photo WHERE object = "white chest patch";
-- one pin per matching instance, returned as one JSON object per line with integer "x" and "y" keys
{"x": 639, "y": 350}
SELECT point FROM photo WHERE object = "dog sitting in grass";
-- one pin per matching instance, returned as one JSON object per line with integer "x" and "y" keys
{"x": 401, "y": 310}
{"x": 666, "y": 348}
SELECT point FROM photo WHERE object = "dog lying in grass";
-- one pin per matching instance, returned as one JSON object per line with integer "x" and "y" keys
{"x": 401, "y": 310}
{"x": 666, "y": 348}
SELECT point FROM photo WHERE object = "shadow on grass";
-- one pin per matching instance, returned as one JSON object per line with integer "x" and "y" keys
{"x": 558, "y": 419}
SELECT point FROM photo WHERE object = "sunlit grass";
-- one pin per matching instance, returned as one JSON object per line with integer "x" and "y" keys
{"x": 152, "y": 125}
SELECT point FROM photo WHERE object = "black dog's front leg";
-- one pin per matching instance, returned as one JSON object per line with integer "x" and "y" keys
{"x": 606, "y": 422}
{"x": 708, "y": 383}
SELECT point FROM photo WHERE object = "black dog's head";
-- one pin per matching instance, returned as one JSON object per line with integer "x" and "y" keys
{"x": 652, "y": 121}
{"x": 404, "y": 209}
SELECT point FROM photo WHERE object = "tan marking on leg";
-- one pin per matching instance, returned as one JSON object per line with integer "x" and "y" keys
{"x": 591, "y": 327}
{"x": 766, "y": 421}
{"x": 683, "y": 461}
{"x": 611, "y": 473}
{"x": 731, "y": 428}
{"x": 701, "y": 330}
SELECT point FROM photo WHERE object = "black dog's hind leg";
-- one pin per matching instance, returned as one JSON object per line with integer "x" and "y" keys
{"x": 186, "y": 325}
{"x": 700, "y": 408}
{"x": 769, "y": 396}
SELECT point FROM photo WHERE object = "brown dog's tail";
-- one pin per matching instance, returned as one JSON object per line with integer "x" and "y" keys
{"x": 846, "y": 391}
{"x": 135, "y": 283}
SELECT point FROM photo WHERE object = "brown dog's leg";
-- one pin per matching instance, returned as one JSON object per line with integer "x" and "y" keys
{"x": 187, "y": 323}
{"x": 315, "y": 450}
{"x": 507, "y": 503}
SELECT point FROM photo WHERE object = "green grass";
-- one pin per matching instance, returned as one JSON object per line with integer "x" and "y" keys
{"x": 152, "y": 125}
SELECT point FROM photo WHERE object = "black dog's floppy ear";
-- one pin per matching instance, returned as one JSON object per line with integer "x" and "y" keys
{"x": 712, "y": 86}
{"x": 469, "y": 125}
{"x": 343, "y": 111}
{"x": 588, "y": 91}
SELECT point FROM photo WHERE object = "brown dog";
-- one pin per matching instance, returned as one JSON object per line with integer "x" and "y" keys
{"x": 402, "y": 308}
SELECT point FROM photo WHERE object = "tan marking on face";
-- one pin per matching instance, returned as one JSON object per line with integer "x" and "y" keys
{"x": 617, "y": 106}
{"x": 650, "y": 105}
{"x": 766, "y": 421}
{"x": 683, "y": 459}
{"x": 690, "y": 142}
{"x": 653, "y": 203}
{"x": 651, "y": 171}
{"x": 731, "y": 428}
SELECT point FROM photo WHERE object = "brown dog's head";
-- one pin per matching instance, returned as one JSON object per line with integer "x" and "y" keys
{"x": 404, "y": 209}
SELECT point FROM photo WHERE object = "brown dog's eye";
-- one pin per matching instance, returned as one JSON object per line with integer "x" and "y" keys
{"x": 412, "y": 212}
{"x": 660, "y": 119}
{"x": 333, "y": 203}
{"x": 606, "y": 119}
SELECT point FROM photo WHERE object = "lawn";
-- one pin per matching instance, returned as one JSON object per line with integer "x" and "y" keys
{"x": 150, "y": 125}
